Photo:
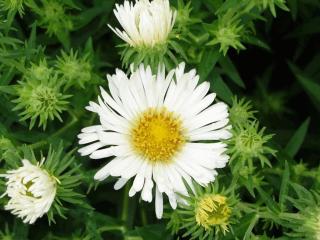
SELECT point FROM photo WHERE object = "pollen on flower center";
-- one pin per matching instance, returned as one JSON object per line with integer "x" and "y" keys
{"x": 157, "y": 135}
{"x": 213, "y": 210}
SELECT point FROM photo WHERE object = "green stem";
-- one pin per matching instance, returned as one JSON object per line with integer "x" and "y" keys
{"x": 125, "y": 205}
{"x": 144, "y": 219}
{"x": 112, "y": 228}
{"x": 38, "y": 144}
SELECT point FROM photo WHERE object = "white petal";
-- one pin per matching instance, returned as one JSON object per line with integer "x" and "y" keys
{"x": 120, "y": 183}
{"x": 90, "y": 148}
{"x": 112, "y": 138}
{"x": 87, "y": 137}
{"x": 159, "y": 204}
{"x": 104, "y": 172}
{"x": 139, "y": 179}
{"x": 212, "y": 135}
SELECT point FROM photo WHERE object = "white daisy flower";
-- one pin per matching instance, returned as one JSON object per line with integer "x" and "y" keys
{"x": 31, "y": 191}
{"x": 158, "y": 129}
{"x": 145, "y": 23}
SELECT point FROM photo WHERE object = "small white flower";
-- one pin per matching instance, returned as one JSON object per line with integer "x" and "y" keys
{"x": 161, "y": 129}
{"x": 145, "y": 23}
{"x": 31, "y": 191}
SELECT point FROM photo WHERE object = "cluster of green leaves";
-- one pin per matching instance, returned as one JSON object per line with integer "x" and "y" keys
{"x": 278, "y": 193}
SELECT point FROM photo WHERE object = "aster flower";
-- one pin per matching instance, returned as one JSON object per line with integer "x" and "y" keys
{"x": 145, "y": 23}
{"x": 161, "y": 129}
{"x": 148, "y": 33}
{"x": 206, "y": 213}
{"x": 31, "y": 191}
{"x": 38, "y": 188}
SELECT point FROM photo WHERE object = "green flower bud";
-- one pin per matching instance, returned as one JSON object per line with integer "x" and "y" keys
{"x": 227, "y": 33}
{"x": 53, "y": 17}
{"x": 249, "y": 143}
{"x": 206, "y": 213}
{"x": 241, "y": 111}
{"x": 40, "y": 98}
{"x": 75, "y": 70}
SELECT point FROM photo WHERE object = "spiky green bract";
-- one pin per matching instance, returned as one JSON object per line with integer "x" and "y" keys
{"x": 241, "y": 111}
{"x": 76, "y": 70}
{"x": 207, "y": 213}
{"x": 261, "y": 5}
{"x": 184, "y": 20}
{"x": 227, "y": 32}
{"x": 304, "y": 224}
{"x": 167, "y": 53}
{"x": 40, "y": 96}
{"x": 53, "y": 17}
{"x": 248, "y": 143}
{"x": 271, "y": 5}
{"x": 60, "y": 166}
{"x": 12, "y": 5}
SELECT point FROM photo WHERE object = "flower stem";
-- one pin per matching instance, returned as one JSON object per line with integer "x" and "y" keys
{"x": 125, "y": 204}
{"x": 112, "y": 228}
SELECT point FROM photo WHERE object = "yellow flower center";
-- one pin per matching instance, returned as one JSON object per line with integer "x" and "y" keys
{"x": 157, "y": 135}
{"x": 213, "y": 210}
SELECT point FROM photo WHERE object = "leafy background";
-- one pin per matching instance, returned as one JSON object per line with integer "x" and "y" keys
{"x": 278, "y": 71}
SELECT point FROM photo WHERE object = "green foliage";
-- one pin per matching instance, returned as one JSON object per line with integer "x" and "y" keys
{"x": 259, "y": 58}
{"x": 12, "y": 5}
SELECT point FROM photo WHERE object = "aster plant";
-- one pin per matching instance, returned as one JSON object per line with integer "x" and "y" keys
{"x": 159, "y": 119}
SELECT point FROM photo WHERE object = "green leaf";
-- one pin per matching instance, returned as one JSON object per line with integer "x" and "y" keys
{"x": 257, "y": 42}
{"x": 284, "y": 186}
{"x": 311, "y": 88}
{"x": 266, "y": 197}
{"x": 297, "y": 139}
{"x": 8, "y": 89}
{"x": 243, "y": 228}
{"x": 208, "y": 61}
{"x": 230, "y": 70}
{"x": 218, "y": 86}
{"x": 253, "y": 222}
{"x": 293, "y": 6}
